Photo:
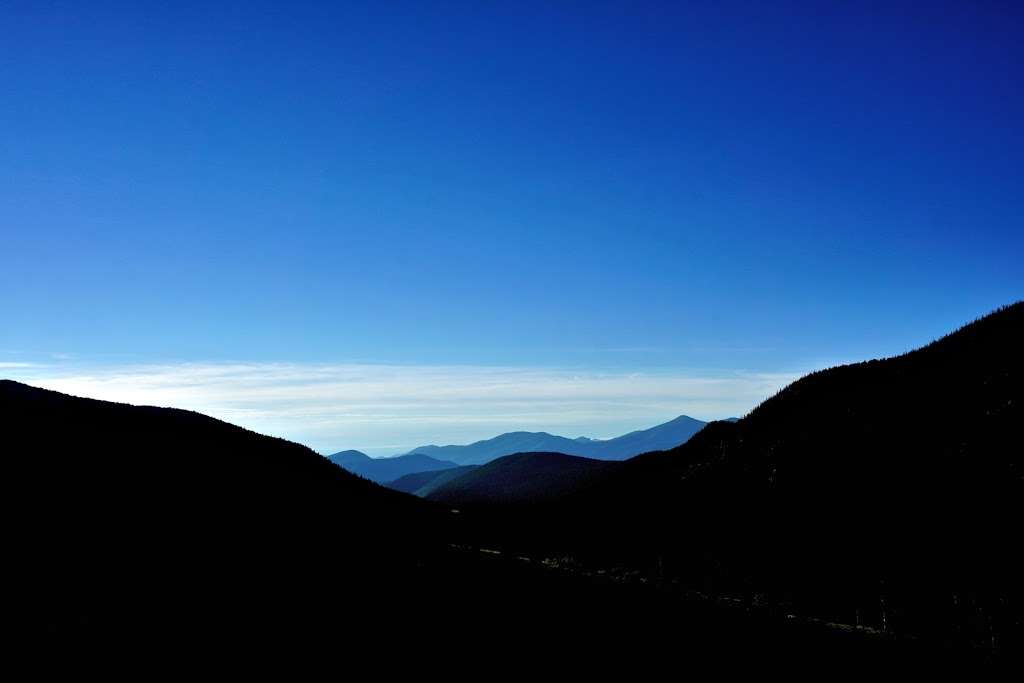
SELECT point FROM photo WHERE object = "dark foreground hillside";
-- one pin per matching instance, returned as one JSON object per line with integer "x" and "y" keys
{"x": 136, "y": 516}
{"x": 156, "y": 534}
{"x": 887, "y": 494}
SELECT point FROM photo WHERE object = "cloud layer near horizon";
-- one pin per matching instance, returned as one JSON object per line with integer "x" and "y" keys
{"x": 386, "y": 409}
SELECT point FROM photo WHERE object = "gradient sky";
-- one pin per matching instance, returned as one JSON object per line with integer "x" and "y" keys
{"x": 379, "y": 224}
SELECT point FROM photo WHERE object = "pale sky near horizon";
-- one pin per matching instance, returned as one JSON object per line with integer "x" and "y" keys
{"x": 390, "y": 409}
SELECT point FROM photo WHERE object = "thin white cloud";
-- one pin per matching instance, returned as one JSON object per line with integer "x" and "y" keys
{"x": 389, "y": 408}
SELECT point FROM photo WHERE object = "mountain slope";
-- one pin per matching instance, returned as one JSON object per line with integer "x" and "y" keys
{"x": 886, "y": 493}
{"x": 422, "y": 483}
{"x": 660, "y": 437}
{"x": 146, "y": 516}
{"x": 383, "y": 470}
{"x": 523, "y": 478}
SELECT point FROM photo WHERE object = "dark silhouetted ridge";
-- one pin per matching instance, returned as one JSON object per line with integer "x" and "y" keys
{"x": 887, "y": 493}
{"x": 423, "y": 483}
{"x": 524, "y": 478}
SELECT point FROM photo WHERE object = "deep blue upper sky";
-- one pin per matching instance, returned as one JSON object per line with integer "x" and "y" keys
{"x": 749, "y": 185}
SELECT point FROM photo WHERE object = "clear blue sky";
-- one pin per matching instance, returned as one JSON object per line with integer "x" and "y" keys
{"x": 628, "y": 187}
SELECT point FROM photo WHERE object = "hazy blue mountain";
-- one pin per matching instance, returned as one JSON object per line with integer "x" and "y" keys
{"x": 505, "y": 444}
{"x": 345, "y": 458}
{"x": 383, "y": 470}
{"x": 669, "y": 435}
{"x": 523, "y": 478}
{"x": 423, "y": 483}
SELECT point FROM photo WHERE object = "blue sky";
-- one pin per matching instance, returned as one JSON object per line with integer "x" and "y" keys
{"x": 699, "y": 200}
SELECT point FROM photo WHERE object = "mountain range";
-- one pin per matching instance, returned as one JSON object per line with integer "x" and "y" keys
{"x": 437, "y": 458}
{"x": 660, "y": 437}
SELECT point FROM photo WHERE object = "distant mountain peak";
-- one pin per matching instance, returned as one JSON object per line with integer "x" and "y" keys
{"x": 661, "y": 437}
{"x": 348, "y": 457}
